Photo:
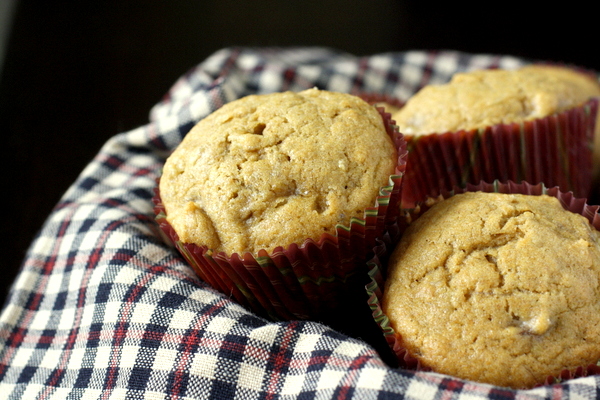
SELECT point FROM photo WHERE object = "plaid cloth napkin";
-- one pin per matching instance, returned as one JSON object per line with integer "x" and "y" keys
{"x": 103, "y": 309}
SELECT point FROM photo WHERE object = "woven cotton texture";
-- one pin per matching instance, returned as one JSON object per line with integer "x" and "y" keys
{"x": 104, "y": 309}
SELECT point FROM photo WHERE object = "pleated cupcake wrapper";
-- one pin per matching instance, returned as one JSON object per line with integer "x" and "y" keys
{"x": 556, "y": 150}
{"x": 300, "y": 281}
{"x": 374, "y": 289}
{"x": 377, "y": 265}
{"x": 578, "y": 372}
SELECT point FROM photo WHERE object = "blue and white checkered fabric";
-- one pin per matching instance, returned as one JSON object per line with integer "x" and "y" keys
{"x": 103, "y": 309}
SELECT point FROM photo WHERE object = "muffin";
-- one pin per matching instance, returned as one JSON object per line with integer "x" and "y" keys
{"x": 483, "y": 98}
{"x": 497, "y": 288}
{"x": 251, "y": 184}
{"x": 534, "y": 124}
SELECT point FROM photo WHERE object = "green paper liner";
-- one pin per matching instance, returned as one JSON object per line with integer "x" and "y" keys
{"x": 556, "y": 150}
{"x": 309, "y": 280}
{"x": 377, "y": 265}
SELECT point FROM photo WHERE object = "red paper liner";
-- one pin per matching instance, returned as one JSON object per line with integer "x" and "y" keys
{"x": 556, "y": 150}
{"x": 377, "y": 266}
{"x": 310, "y": 280}
{"x": 579, "y": 372}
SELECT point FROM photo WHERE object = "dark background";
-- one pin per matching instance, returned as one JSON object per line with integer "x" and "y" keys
{"x": 76, "y": 73}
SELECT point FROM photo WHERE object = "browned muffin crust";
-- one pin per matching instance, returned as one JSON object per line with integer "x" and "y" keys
{"x": 502, "y": 289}
{"x": 483, "y": 98}
{"x": 275, "y": 169}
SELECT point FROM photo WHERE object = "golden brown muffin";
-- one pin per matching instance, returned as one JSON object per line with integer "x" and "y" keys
{"x": 270, "y": 170}
{"x": 482, "y": 98}
{"x": 497, "y": 288}
{"x": 488, "y": 97}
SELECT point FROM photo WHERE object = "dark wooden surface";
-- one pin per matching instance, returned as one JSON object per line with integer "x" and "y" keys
{"x": 76, "y": 73}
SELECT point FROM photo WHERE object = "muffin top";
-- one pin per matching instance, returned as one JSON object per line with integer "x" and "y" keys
{"x": 497, "y": 288}
{"x": 488, "y": 97}
{"x": 274, "y": 169}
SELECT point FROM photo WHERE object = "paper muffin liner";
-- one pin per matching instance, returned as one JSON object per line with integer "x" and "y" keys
{"x": 377, "y": 265}
{"x": 556, "y": 150}
{"x": 309, "y": 280}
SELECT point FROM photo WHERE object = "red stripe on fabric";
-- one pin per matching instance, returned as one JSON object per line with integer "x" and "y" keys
{"x": 495, "y": 63}
{"x": 17, "y": 338}
{"x": 331, "y": 360}
{"x": 558, "y": 392}
{"x": 431, "y": 57}
{"x": 121, "y": 332}
{"x": 358, "y": 82}
{"x": 229, "y": 63}
{"x": 351, "y": 376}
{"x": 450, "y": 388}
{"x": 288, "y": 77}
{"x": 234, "y": 347}
{"x": 280, "y": 360}
{"x": 190, "y": 341}
{"x": 58, "y": 374}
{"x": 113, "y": 162}
{"x": 46, "y": 339}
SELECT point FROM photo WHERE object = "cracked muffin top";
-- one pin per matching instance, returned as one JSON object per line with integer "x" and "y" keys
{"x": 274, "y": 169}
{"x": 497, "y": 288}
{"x": 483, "y": 98}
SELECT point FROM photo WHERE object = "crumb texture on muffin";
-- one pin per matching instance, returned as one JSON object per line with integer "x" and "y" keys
{"x": 274, "y": 169}
{"x": 483, "y": 98}
{"x": 497, "y": 288}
